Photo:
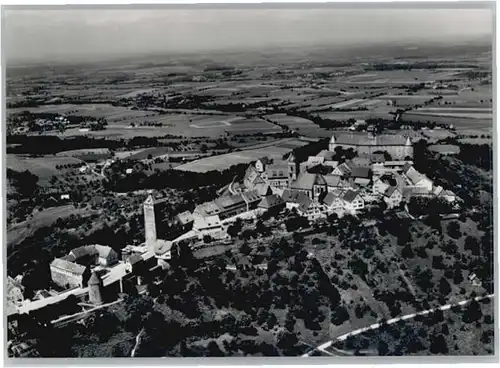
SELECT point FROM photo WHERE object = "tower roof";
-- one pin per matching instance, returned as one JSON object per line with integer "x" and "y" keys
{"x": 95, "y": 279}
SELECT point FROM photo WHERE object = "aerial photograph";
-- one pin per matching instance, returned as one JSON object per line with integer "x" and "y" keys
{"x": 260, "y": 181}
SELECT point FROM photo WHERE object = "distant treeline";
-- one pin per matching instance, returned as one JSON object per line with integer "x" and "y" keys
{"x": 176, "y": 179}
{"x": 47, "y": 144}
{"x": 302, "y": 153}
{"x": 418, "y": 65}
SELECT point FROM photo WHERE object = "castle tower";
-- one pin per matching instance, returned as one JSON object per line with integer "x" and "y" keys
{"x": 150, "y": 222}
{"x": 95, "y": 289}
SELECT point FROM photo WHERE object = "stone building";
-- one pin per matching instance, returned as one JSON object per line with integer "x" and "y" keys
{"x": 398, "y": 146}
{"x": 73, "y": 270}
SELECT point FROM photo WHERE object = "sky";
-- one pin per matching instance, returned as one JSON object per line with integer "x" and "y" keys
{"x": 33, "y": 35}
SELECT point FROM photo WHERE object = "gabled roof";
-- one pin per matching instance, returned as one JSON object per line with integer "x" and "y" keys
{"x": 103, "y": 250}
{"x": 67, "y": 266}
{"x": 251, "y": 196}
{"x": 271, "y": 201}
{"x": 331, "y": 197}
{"x": 306, "y": 181}
{"x": 293, "y": 196}
{"x": 414, "y": 176}
{"x": 277, "y": 171}
{"x": 228, "y": 201}
{"x": 360, "y": 172}
{"x": 262, "y": 189}
{"x": 344, "y": 168}
{"x": 305, "y": 203}
{"x": 349, "y": 195}
{"x": 85, "y": 250}
{"x": 333, "y": 180}
{"x": 389, "y": 191}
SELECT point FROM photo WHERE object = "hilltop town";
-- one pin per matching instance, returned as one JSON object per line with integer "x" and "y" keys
{"x": 338, "y": 206}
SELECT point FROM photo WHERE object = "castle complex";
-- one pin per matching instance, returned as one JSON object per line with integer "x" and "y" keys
{"x": 398, "y": 146}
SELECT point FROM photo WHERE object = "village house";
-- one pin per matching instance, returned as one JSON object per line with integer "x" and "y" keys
{"x": 272, "y": 203}
{"x": 261, "y": 163}
{"x": 293, "y": 198}
{"x": 352, "y": 201}
{"x": 361, "y": 175}
{"x": 416, "y": 179}
{"x": 392, "y": 197}
{"x": 73, "y": 270}
{"x": 277, "y": 175}
{"x": 333, "y": 202}
{"x": 343, "y": 169}
{"x": 310, "y": 208}
{"x": 311, "y": 184}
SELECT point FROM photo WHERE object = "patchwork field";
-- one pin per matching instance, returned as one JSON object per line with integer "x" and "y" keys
{"x": 222, "y": 162}
{"x": 43, "y": 167}
{"x": 21, "y": 230}
{"x": 458, "y": 122}
{"x": 292, "y": 122}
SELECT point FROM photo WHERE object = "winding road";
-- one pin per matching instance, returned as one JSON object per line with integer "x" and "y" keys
{"x": 322, "y": 348}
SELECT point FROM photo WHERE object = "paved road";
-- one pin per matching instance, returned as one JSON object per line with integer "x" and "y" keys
{"x": 375, "y": 326}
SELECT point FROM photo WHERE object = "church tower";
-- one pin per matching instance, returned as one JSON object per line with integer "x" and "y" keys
{"x": 292, "y": 168}
{"x": 332, "y": 145}
{"x": 150, "y": 222}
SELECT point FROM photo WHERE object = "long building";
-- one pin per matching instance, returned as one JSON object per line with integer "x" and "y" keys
{"x": 398, "y": 146}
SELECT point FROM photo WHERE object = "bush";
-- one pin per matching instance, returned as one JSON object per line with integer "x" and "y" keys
{"x": 454, "y": 230}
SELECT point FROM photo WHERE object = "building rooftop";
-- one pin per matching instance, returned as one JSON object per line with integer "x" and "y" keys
{"x": 369, "y": 139}
{"x": 344, "y": 168}
{"x": 328, "y": 155}
{"x": 68, "y": 266}
{"x": 414, "y": 176}
{"x": 361, "y": 172}
{"x": 185, "y": 217}
{"x": 251, "y": 196}
{"x": 306, "y": 181}
{"x": 293, "y": 196}
{"x": 331, "y": 197}
{"x": 271, "y": 201}
{"x": 277, "y": 171}
{"x": 349, "y": 195}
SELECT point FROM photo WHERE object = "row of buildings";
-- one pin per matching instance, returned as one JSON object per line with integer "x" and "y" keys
{"x": 383, "y": 171}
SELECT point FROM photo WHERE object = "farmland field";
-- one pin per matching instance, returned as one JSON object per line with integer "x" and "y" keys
{"x": 18, "y": 232}
{"x": 445, "y": 148}
{"x": 222, "y": 162}
{"x": 458, "y": 122}
{"x": 43, "y": 167}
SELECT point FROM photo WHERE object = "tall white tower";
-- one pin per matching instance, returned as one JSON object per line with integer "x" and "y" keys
{"x": 332, "y": 144}
{"x": 150, "y": 222}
